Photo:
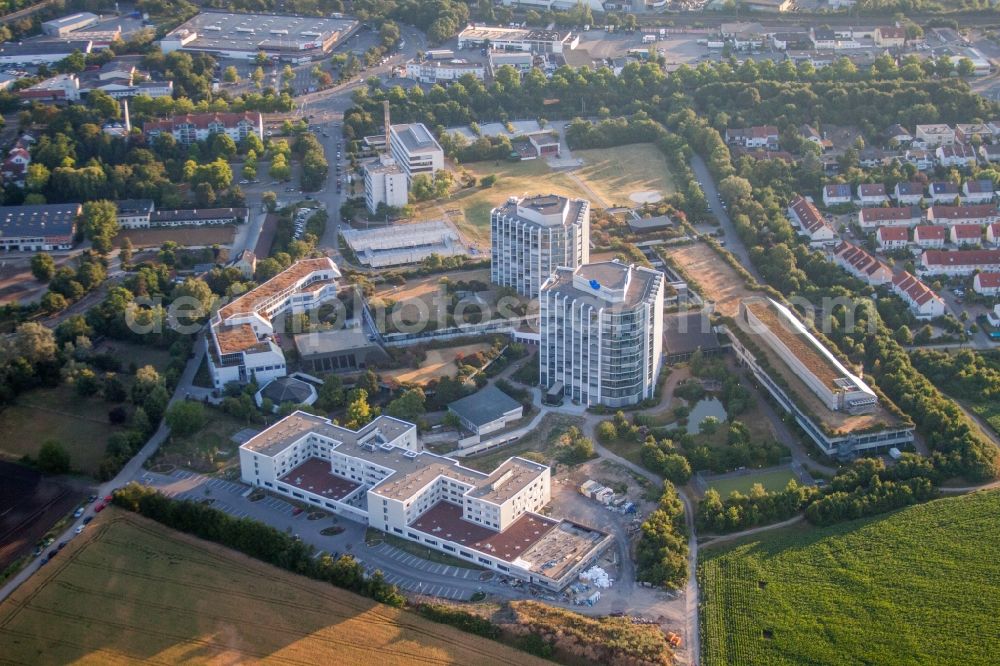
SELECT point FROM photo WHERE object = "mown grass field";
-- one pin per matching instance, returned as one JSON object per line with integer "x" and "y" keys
{"x": 129, "y": 590}
{"x": 772, "y": 480}
{"x": 80, "y": 424}
{"x": 614, "y": 174}
{"x": 921, "y": 586}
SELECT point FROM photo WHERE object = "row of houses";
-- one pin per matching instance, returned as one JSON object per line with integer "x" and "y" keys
{"x": 930, "y": 236}
{"x": 909, "y": 216}
{"x": 921, "y": 299}
{"x": 908, "y": 196}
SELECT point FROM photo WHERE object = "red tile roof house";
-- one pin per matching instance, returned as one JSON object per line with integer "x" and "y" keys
{"x": 987, "y": 284}
{"x": 902, "y": 216}
{"x": 993, "y": 233}
{"x": 959, "y": 262}
{"x": 861, "y": 265}
{"x": 930, "y": 236}
{"x": 979, "y": 214}
{"x": 803, "y": 214}
{"x": 959, "y": 155}
{"x": 892, "y": 238}
{"x": 872, "y": 194}
{"x": 967, "y": 234}
{"x": 943, "y": 192}
{"x": 924, "y": 303}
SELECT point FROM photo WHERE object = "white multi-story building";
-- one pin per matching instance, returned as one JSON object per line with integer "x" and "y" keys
{"x": 34, "y": 228}
{"x": 443, "y": 71}
{"x": 832, "y": 405}
{"x": 379, "y": 476}
{"x": 837, "y": 387}
{"x": 902, "y": 216}
{"x": 532, "y": 236}
{"x": 933, "y": 136}
{"x": 241, "y": 347}
{"x": 193, "y": 127}
{"x": 601, "y": 331}
{"x": 518, "y": 39}
{"x": 415, "y": 150}
{"x": 385, "y": 183}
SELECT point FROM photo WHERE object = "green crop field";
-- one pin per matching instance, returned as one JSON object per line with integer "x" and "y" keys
{"x": 131, "y": 591}
{"x": 921, "y": 586}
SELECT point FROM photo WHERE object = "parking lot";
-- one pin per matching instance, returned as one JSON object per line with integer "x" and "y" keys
{"x": 403, "y": 569}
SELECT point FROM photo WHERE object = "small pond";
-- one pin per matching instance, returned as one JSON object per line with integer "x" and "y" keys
{"x": 702, "y": 410}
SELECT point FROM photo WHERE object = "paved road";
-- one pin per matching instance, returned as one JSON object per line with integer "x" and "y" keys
{"x": 733, "y": 241}
{"x": 127, "y": 473}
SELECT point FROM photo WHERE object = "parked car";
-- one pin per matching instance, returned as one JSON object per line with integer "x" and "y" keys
{"x": 99, "y": 507}
{"x": 78, "y": 512}
{"x": 79, "y": 529}
{"x": 86, "y": 521}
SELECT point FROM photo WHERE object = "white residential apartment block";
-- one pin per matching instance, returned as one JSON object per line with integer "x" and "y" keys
{"x": 924, "y": 303}
{"x": 241, "y": 347}
{"x": 935, "y": 135}
{"x": 379, "y": 476}
{"x": 978, "y": 214}
{"x": 978, "y": 191}
{"x": 908, "y": 194}
{"x": 601, "y": 333}
{"x": 930, "y": 236}
{"x": 415, "y": 150}
{"x": 385, "y": 183}
{"x": 987, "y": 284}
{"x": 443, "y": 71}
{"x": 193, "y": 127}
{"x": 531, "y": 237}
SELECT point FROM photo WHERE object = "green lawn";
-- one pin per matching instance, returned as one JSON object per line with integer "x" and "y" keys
{"x": 920, "y": 586}
{"x": 79, "y": 424}
{"x": 772, "y": 480}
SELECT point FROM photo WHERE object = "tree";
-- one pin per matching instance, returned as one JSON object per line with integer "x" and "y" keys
{"x": 230, "y": 75}
{"x": 359, "y": 412}
{"x": 270, "y": 200}
{"x": 606, "y": 432}
{"x": 410, "y": 406}
{"x": 54, "y": 302}
{"x": 43, "y": 267}
{"x": 34, "y": 343}
{"x": 195, "y": 297}
{"x": 53, "y": 458}
{"x": 258, "y": 77}
{"x": 204, "y": 195}
{"x": 279, "y": 169}
{"x": 735, "y": 188}
{"x": 185, "y": 418}
{"x": 331, "y": 394}
{"x": 100, "y": 224}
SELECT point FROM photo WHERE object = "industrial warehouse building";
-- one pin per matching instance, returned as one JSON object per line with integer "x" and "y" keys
{"x": 404, "y": 243}
{"x": 243, "y": 36}
{"x": 518, "y": 39}
{"x": 379, "y": 476}
{"x": 37, "y": 228}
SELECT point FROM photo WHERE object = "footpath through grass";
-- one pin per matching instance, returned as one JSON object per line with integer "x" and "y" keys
{"x": 921, "y": 586}
{"x": 130, "y": 590}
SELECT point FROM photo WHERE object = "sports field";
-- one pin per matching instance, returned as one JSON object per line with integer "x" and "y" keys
{"x": 772, "y": 480}
{"x": 626, "y": 175}
{"x": 920, "y": 586}
{"x": 130, "y": 590}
